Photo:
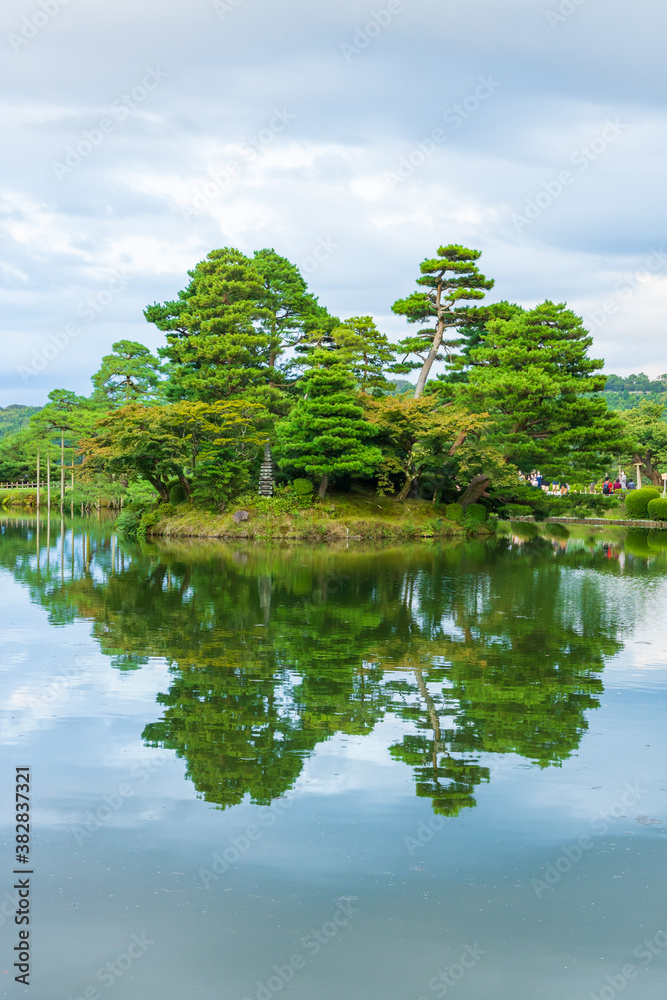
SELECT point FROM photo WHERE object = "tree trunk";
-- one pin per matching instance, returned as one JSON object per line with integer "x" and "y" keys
{"x": 476, "y": 489}
{"x": 324, "y": 485}
{"x": 460, "y": 438}
{"x": 649, "y": 469}
{"x": 62, "y": 473}
{"x": 432, "y": 354}
{"x": 185, "y": 484}
{"x": 158, "y": 485}
{"x": 409, "y": 480}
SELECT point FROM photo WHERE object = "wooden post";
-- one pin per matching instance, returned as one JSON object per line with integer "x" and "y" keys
{"x": 639, "y": 475}
{"x": 48, "y": 480}
{"x": 38, "y": 480}
{"x": 664, "y": 484}
{"x": 62, "y": 473}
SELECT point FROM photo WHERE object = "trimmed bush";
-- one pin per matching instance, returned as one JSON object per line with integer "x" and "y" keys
{"x": 454, "y": 512}
{"x": 657, "y": 509}
{"x": 474, "y": 514}
{"x": 303, "y": 487}
{"x": 177, "y": 494}
{"x": 637, "y": 501}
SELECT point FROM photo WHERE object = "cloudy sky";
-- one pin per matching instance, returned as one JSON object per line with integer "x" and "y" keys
{"x": 353, "y": 137}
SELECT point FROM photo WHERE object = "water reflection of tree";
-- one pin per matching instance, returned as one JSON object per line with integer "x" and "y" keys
{"x": 479, "y": 648}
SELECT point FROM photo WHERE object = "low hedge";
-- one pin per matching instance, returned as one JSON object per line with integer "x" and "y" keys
{"x": 474, "y": 514}
{"x": 454, "y": 512}
{"x": 637, "y": 501}
{"x": 657, "y": 509}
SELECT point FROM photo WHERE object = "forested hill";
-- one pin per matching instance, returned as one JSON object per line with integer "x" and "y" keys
{"x": 626, "y": 393}
{"x": 14, "y": 418}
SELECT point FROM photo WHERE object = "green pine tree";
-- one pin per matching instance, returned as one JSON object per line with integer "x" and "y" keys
{"x": 215, "y": 344}
{"x": 131, "y": 373}
{"x": 534, "y": 377}
{"x": 451, "y": 278}
{"x": 326, "y": 434}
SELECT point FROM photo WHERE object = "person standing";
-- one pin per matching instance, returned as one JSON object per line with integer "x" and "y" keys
{"x": 624, "y": 480}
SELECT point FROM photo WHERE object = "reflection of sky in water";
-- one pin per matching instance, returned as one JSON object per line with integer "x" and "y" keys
{"x": 353, "y": 829}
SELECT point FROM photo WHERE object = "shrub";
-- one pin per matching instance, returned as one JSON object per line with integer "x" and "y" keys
{"x": 454, "y": 512}
{"x": 127, "y": 522}
{"x": 637, "y": 501}
{"x": 474, "y": 514}
{"x": 657, "y": 509}
{"x": 177, "y": 494}
{"x": 302, "y": 487}
{"x": 153, "y": 516}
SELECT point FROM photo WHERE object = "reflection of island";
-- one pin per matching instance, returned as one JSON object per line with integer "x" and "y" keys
{"x": 480, "y": 648}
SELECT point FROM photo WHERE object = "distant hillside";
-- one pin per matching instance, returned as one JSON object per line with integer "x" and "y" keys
{"x": 401, "y": 386}
{"x": 626, "y": 393}
{"x": 14, "y": 418}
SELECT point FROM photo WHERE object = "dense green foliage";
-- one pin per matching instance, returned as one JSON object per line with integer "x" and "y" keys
{"x": 251, "y": 357}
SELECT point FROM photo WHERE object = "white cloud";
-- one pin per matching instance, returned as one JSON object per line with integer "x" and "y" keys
{"x": 320, "y": 170}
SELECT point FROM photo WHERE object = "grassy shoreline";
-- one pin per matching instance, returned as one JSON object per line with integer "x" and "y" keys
{"x": 338, "y": 517}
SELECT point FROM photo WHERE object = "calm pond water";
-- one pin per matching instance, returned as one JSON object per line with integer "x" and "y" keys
{"x": 399, "y": 773}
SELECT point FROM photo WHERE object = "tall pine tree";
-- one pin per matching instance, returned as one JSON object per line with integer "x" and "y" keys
{"x": 451, "y": 278}
{"x": 326, "y": 435}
